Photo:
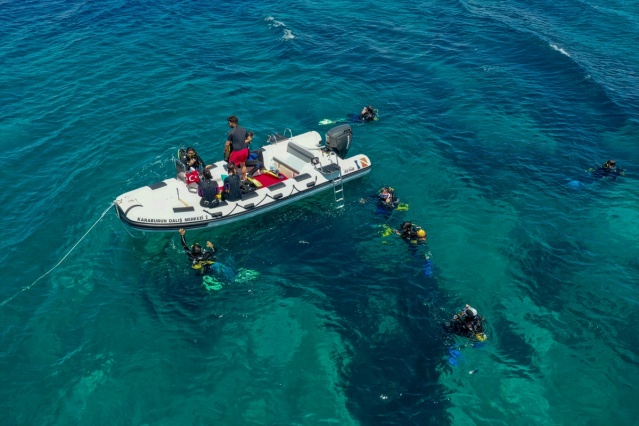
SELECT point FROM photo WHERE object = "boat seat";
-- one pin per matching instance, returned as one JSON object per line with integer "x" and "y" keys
{"x": 299, "y": 152}
{"x": 296, "y": 157}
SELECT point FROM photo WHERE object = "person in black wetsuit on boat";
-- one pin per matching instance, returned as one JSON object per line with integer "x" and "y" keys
{"x": 255, "y": 159}
{"x": 201, "y": 259}
{"x": 208, "y": 189}
{"x": 232, "y": 190}
{"x": 191, "y": 160}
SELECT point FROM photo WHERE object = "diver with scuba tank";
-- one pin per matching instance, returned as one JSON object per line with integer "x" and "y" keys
{"x": 201, "y": 259}
{"x": 386, "y": 199}
{"x": 467, "y": 323}
{"x": 411, "y": 233}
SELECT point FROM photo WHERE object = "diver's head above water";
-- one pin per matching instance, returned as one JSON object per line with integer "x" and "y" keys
{"x": 470, "y": 311}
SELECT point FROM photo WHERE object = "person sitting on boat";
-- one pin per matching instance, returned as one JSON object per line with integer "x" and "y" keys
{"x": 255, "y": 159}
{"x": 608, "y": 170}
{"x": 254, "y": 162}
{"x": 201, "y": 260}
{"x": 232, "y": 185}
{"x": 191, "y": 160}
{"x": 208, "y": 189}
{"x": 236, "y": 140}
{"x": 368, "y": 114}
{"x": 411, "y": 233}
{"x": 467, "y": 323}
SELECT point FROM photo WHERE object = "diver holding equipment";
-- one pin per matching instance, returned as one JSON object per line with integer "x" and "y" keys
{"x": 201, "y": 259}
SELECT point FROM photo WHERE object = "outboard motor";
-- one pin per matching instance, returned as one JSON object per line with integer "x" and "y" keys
{"x": 338, "y": 139}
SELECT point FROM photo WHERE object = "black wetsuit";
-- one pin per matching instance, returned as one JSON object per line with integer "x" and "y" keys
{"x": 381, "y": 200}
{"x": 464, "y": 326}
{"x": 369, "y": 115}
{"x": 203, "y": 256}
{"x": 198, "y": 165}
{"x": 208, "y": 191}
{"x": 607, "y": 171}
{"x": 255, "y": 160}
{"x": 232, "y": 188}
{"x": 409, "y": 232}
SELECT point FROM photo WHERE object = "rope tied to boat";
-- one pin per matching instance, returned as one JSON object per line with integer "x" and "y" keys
{"x": 61, "y": 260}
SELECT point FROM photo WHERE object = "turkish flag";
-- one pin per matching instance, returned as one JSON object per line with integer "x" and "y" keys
{"x": 192, "y": 177}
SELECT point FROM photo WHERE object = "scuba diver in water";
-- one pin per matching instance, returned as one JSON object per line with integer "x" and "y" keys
{"x": 608, "y": 170}
{"x": 415, "y": 236}
{"x": 368, "y": 114}
{"x": 386, "y": 198}
{"x": 467, "y": 323}
{"x": 201, "y": 260}
{"x": 411, "y": 233}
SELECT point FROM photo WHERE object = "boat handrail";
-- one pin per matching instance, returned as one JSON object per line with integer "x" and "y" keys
{"x": 276, "y": 137}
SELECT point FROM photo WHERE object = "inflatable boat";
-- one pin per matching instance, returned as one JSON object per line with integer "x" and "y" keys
{"x": 289, "y": 169}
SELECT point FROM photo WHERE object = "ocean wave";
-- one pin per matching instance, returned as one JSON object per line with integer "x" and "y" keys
{"x": 559, "y": 49}
{"x": 274, "y": 23}
{"x": 601, "y": 55}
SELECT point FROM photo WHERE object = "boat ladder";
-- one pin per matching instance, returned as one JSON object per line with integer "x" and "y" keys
{"x": 338, "y": 185}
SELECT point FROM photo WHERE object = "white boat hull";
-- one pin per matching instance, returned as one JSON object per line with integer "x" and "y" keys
{"x": 170, "y": 205}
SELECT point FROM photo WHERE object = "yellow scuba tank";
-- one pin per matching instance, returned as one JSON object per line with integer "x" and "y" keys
{"x": 201, "y": 263}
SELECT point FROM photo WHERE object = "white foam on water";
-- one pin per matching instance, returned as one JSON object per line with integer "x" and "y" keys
{"x": 559, "y": 49}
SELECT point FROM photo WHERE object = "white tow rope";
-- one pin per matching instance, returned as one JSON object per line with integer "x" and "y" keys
{"x": 57, "y": 264}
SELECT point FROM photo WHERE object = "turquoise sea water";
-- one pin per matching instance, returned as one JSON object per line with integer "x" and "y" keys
{"x": 489, "y": 110}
